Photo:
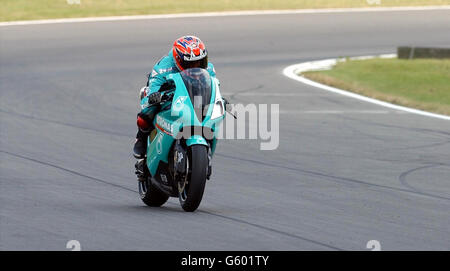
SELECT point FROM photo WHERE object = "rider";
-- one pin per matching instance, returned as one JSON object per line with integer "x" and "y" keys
{"x": 187, "y": 52}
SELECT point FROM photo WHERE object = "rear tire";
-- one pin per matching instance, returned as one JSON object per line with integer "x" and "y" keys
{"x": 192, "y": 194}
{"x": 150, "y": 195}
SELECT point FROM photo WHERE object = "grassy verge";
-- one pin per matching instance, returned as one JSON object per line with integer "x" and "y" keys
{"x": 12, "y": 10}
{"x": 420, "y": 83}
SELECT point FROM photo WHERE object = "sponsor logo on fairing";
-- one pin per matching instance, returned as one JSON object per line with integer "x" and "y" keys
{"x": 168, "y": 127}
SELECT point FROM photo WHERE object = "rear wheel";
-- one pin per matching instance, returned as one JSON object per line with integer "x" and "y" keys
{"x": 190, "y": 190}
{"x": 150, "y": 195}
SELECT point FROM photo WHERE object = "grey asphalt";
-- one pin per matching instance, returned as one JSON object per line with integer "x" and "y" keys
{"x": 345, "y": 171}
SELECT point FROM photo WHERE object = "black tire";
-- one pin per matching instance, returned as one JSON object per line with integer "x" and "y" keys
{"x": 150, "y": 195}
{"x": 198, "y": 169}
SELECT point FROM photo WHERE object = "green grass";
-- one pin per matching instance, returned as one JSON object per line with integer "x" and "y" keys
{"x": 419, "y": 83}
{"x": 12, "y": 10}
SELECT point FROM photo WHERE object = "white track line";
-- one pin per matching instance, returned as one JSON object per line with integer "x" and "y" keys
{"x": 290, "y": 71}
{"x": 219, "y": 14}
{"x": 293, "y": 71}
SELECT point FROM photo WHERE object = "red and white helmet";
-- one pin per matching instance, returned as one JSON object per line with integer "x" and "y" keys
{"x": 190, "y": 52}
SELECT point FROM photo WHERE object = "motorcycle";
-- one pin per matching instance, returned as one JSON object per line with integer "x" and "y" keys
{"x": 182, "y": 144}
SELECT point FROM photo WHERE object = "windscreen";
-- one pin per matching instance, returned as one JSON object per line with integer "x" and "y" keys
{"x": 198, "y": 85}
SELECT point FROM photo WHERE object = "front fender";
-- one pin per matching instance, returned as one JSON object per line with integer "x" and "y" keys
{"x": 196, "y": 140}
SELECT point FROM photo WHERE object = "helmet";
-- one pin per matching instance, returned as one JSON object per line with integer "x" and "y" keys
{"x": 190, "y": 52}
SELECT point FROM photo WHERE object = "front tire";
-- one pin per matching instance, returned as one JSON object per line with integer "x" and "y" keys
{"x": 191, "y": 193}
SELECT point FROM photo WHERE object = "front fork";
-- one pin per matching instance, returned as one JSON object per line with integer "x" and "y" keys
{"x": 180, "y": 156}
{"x": 208, "y": 175}
{"x": 179, "y": 160}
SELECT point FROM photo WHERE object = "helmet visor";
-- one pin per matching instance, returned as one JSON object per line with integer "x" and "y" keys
{"x": 201, "y": 63}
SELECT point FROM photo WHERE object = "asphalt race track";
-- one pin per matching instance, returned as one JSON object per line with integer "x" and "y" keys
{"x": 345, "y": 171}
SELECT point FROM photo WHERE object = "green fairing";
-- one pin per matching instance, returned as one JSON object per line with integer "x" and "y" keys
{"x": 180, "y": 113}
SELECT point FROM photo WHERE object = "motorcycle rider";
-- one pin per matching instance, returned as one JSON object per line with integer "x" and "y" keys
{"x": 187, "y": 52}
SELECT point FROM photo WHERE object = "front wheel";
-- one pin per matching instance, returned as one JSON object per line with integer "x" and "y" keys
{"x": 190, "y": 190}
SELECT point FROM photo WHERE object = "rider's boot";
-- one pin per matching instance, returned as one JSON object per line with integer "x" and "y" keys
{"x": 140, "y": 146}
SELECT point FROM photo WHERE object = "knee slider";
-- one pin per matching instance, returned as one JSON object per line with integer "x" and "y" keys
{"x": 144, "y": 123}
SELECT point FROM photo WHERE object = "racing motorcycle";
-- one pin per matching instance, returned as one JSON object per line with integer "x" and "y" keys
{"x": 183, "y": 141}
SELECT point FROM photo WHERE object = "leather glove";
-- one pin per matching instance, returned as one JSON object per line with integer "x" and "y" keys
{"x": 154, "y": 98}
